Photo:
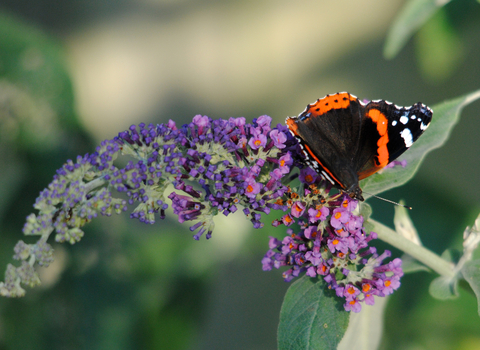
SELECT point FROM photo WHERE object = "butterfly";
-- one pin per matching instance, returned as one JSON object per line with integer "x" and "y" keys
{"x": 346, "y": 140}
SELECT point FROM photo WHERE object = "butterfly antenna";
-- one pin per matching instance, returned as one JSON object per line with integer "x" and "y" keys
{"x": 389, "y": 201}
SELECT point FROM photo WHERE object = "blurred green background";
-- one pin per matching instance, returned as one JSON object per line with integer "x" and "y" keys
{"x": 73, "y": 73}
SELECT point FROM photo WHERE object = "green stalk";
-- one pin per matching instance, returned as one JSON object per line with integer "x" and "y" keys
{"x": 425, "y": 256}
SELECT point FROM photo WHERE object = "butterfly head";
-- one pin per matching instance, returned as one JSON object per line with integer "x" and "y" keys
{"x": 355, "y": 192}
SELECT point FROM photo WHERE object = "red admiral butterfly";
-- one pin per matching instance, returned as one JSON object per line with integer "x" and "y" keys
{"x": 346, "y": 140}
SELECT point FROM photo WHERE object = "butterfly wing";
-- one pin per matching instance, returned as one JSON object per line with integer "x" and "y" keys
{"x": 332, "y": 126}
{"x": 386, "y": 132}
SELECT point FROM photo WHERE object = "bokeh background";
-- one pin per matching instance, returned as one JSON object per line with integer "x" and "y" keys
{"x": 73, "y": 73}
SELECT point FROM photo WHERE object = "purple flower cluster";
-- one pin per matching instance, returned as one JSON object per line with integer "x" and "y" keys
{"x": 332, "y": 243}
{"x": 205, "y": 168}
{"x": 217, "y": 165}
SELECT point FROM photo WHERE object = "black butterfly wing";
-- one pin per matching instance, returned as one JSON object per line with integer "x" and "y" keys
{"x": 329, "y": 131}
{"x": 386, "y": 132}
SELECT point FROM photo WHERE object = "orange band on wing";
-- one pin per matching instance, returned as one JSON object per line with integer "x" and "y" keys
{"x": 337, "y": 101}
{"x": 292, "y": 125}
{"x": 382, "y": 123}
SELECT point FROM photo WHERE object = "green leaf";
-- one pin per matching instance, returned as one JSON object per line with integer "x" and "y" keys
{"x": 410, "y": 265}
{"x": 444, "y": 288}
{"x": 445, "y": 116}
{"x": 451, "y": 255}
{"x": 365, "y": 328}
{"x": 471, "y": 273}
{"x": 365, "y": 211}
{"x": 404, "y": 225}
{"x": 413, "y": 15}
{"x": 312, "y": 317}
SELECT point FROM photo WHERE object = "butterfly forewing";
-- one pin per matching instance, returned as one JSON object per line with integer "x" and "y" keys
{"x": 332, "y": 127}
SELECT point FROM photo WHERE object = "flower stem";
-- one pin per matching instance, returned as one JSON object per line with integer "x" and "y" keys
{"x": 425, "y": 256}
{"x": 100, "y": 181}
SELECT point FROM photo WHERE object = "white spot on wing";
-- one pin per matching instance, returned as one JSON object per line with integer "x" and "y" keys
{"x": 394, "y": 123}
{"x": 404, "y": 120}
{"x": 407, "y": 137}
